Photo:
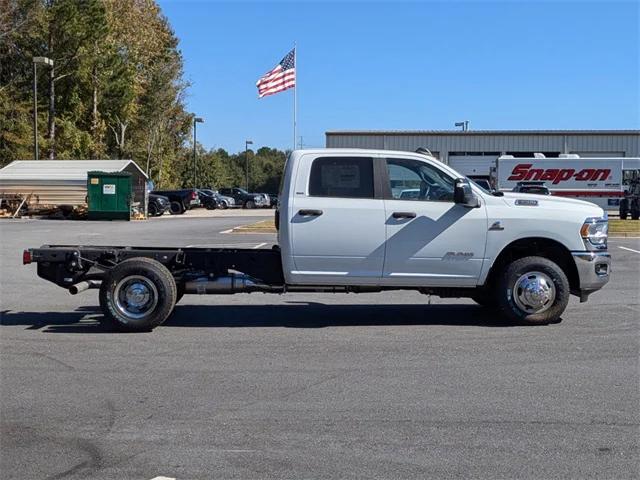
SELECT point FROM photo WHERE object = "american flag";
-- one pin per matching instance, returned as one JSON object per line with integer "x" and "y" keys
{"x": 281, "y": 78}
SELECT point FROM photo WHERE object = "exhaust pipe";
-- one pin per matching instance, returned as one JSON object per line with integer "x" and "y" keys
{"x": 223, "y": 285}
{"x": 82, "y": 286}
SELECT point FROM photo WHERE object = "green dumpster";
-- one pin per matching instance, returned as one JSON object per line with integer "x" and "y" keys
{"x": 109, "y": 195}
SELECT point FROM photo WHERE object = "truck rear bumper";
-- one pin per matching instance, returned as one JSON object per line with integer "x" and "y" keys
{"x": 594, "y": 271}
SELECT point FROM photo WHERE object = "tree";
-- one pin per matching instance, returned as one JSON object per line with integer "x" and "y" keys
{"x": 117, "y": 90}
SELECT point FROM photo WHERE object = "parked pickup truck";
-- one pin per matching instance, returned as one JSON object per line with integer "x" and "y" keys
{"x": 343, "y": 226}
{"x": 181, "y": 200}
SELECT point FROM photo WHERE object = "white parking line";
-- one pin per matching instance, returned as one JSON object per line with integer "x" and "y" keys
{"x": 630, "y": 249}
{"x": 163, "y": 478}
{"x": 260, "y": 245}
{"x": 227, "y": 231}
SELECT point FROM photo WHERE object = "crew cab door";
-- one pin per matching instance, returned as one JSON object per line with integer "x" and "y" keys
{"x": 430, "y": 240}
{"x": 337, "y": 221}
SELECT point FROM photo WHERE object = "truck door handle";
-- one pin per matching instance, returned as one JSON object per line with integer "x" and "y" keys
{"x": 307, "y": 213}
{"x": 404, "y": 215}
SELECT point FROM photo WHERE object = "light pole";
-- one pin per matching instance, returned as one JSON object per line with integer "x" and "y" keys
{"x": 196, "y": 120}
{"x": 36, "y": 61}
{"x": 246, "y": 162}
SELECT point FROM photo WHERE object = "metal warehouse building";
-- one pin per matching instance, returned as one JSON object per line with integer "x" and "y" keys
{"x": 473, "y": 152}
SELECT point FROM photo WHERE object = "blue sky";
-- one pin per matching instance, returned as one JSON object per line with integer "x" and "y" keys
{"x": 414, "y": 65}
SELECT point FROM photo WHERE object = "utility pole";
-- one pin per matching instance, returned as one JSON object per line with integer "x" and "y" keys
{"x": 246, "y": 163}
{"x": 36, "y": 61}
{"x": 196, "y": 120}
{"x": 36, "y": 155}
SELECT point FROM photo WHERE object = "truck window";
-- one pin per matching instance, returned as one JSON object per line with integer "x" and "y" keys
{"x": 416, "y": 180}
{"x": 345, "y": 177}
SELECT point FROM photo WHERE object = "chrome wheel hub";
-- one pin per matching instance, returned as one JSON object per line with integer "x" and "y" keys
{"x": 534, "y": 292}
{"x": 135, "y": 296}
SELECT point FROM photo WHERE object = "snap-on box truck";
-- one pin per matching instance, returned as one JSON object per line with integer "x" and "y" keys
{"x": 597, "y": 180}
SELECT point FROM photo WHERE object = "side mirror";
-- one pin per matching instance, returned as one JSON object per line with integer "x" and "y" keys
{"x": 463, "y": 194}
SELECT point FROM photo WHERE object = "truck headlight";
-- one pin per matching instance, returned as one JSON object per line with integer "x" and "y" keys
{"x": 594, "y": 232}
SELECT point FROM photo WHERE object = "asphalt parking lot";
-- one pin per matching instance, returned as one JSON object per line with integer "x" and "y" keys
{"x": 296, "y": 386}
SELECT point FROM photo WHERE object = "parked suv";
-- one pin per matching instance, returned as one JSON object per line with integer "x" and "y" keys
{"x": 221, "y": 201}
{"x": 538, "y": 188}
{"x": 244, "y": 198}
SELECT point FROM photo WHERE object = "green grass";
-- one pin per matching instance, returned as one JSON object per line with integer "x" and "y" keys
{"x": 624, "y": 226}
{"x": 264, "y": 226}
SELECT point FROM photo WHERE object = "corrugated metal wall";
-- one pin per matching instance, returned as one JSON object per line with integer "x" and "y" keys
{"x": 48, "y": 192}
{"x": 468, "y": 142}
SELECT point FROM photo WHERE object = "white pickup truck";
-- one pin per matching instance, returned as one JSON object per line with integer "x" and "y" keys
{"x": 345, "y": 226}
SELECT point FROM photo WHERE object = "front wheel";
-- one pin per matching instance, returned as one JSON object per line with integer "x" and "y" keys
{"x": 137, "y": 295}
{"x": 250, "y": 204}
{"x": 534, "y": 291}
{"x": 153, "y": 210}
{"x": 624, "y": 208}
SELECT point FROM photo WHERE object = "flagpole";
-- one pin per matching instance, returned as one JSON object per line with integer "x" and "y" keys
{"x": 295, "y": 95}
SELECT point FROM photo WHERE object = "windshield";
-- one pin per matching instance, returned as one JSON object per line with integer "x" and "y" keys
{"x": 478, "y": 185}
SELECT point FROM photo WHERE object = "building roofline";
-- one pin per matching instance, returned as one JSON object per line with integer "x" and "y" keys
{"x": 17, "y": 167}
{"x": 479, "y": 132}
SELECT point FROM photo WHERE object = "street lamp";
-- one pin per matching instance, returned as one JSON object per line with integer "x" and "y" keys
{"x": 196, "y": 120}
{"x": 246, "y": 162}
{"x": 42, "y": 61}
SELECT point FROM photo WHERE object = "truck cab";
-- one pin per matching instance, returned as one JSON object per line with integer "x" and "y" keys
{"x": 345, "y": 221}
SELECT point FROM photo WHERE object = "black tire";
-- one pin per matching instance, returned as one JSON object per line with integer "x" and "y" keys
{"x": 536, "y": 267}
{"x": 249, "y": 204}
{"x": 635, "y": 215}
{"x": 154, "y": 278}
{"x": 153, "y": 210}
{"x": 624, "y": 208}
{"x": 224, "y": 205}
{"x": 176, "y": 208}
{"x": 210, "y": 206}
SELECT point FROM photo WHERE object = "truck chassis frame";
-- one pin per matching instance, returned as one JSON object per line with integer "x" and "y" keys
{"x": 69, "y": 265}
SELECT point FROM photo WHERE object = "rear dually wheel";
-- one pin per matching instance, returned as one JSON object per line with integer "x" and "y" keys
{"x": 137, "y": 295}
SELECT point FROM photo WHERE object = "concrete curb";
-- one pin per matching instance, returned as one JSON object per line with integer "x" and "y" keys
{"x": 624, "y": 235}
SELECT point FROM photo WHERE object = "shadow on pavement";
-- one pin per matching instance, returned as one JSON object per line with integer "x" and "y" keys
{"x": 81, "y": 320}
{"x": 292, "y": 315}
{"x": 317, "y": 315}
